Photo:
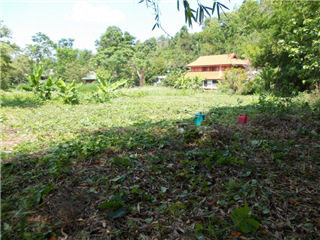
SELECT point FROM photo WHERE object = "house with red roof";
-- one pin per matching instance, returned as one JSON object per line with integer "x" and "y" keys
{"x": 212, "y": 68}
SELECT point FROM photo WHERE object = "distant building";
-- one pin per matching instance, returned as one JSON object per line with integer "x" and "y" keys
{"x": 159, "y": 78}
{"x": 212, "y": 68}
{"x": 91, "y": 77}
{"x": 45, "y": 75}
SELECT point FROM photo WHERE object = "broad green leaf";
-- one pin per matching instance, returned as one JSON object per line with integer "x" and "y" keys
{"x": 236, "y": 197}
{"x": 253, "y": 222}
{"x": 314, "y": 133}
{"x": 39, "y": 73}
{"x": 245, "y": 227}
{"x": 199, "y": 236}
{"x": 111, "y": 204}
{"x": 243, "y": 211}
{"x": 148, "y": 220}
{"x": 73, "y": 84}
{"x": 117, "y": 84}
{"x": 249, "y": 225}
{"x": 246, "y": 171}
{"x": 116, "y": 179}
{"x": 118, "y": 213}
{"x": 236, "y": 219}
{"x": 163, "y": 189}
{"x": 223, "y": 161}
{"x": 36, "y": 198}
{"x": 6, "y": 226}
{"x": 199, "y": 227}
{"x": 49, "y": 82}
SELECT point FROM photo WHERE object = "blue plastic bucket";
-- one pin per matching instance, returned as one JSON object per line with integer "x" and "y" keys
{"x": 199, "y": 117}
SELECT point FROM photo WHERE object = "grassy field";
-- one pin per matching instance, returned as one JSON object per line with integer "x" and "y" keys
{"x": 29, "y": 126}
{"x": 125, "y": 169}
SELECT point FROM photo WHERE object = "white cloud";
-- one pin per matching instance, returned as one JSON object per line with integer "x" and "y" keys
{"x": 84, "y": 11}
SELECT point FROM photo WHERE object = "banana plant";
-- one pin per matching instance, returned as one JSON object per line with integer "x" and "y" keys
{"x": 107, "y": 88}
{"x": 34, "y": 79}
{"x": 68, "y": 93}
{"x": 42, "y": 89}
{"x": 46, "y": 88}
{"x": 196, "y": 82}
{"x": 180, "y": 83}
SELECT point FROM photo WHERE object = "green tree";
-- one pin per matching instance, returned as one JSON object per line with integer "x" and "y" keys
{"x": 182, "y": 51}
{"x": 42, "y": 48}
{"x": 65, "y": 57}
{"x": 142, "y": 60}
{"x": 7, "y": 49}
{"x": 72, "y": 64}
{"x": 115, "y": 51}
{"x": 67, "y": 43}
{"x": 42, "y": 51}
{"x": 303, "y": 45}
{"x": 21, "y": 66}
{"x": 158, "y": 68}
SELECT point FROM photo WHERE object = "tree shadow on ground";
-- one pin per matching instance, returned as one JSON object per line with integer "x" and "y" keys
{"x": 157, "y": 181}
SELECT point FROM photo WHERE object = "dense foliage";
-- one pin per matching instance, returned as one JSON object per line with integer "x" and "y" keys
{"x": 281, "y": 36}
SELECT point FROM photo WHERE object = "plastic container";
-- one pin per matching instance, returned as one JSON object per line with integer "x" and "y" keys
{"x": 242, "y": 119}
{"x": 199, "y": 117}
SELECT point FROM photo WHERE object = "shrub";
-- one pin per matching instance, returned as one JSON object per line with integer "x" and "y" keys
{"x": 236, "y": 80}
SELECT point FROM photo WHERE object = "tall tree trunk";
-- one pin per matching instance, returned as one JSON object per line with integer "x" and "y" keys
{"x": 140, "y": 73}
{"x": 141, "y": 77}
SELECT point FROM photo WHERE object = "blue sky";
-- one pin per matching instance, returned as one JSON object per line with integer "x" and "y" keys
{"x": 86, "y": 20}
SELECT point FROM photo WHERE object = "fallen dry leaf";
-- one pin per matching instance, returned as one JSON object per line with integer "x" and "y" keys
{"x": 235, "y": 234}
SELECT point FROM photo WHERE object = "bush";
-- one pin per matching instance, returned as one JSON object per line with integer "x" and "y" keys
{"x": 171, "y": 79}
{"x": 236, "y": 80}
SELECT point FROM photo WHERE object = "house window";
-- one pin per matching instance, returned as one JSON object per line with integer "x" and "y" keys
{"x": 209, "y": 84}
{"x": 214, "y": 84}
{"x": 204, "y": 84}
{"x": 205, "y": 69}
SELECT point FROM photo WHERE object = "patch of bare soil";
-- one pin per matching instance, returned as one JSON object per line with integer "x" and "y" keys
{"x": 10, "y": 139}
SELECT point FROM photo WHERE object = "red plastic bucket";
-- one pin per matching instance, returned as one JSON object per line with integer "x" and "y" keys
{"x": 242, "y": 119}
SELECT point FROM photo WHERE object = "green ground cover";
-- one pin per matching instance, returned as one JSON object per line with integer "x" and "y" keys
{"x": 125, "y": 170}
